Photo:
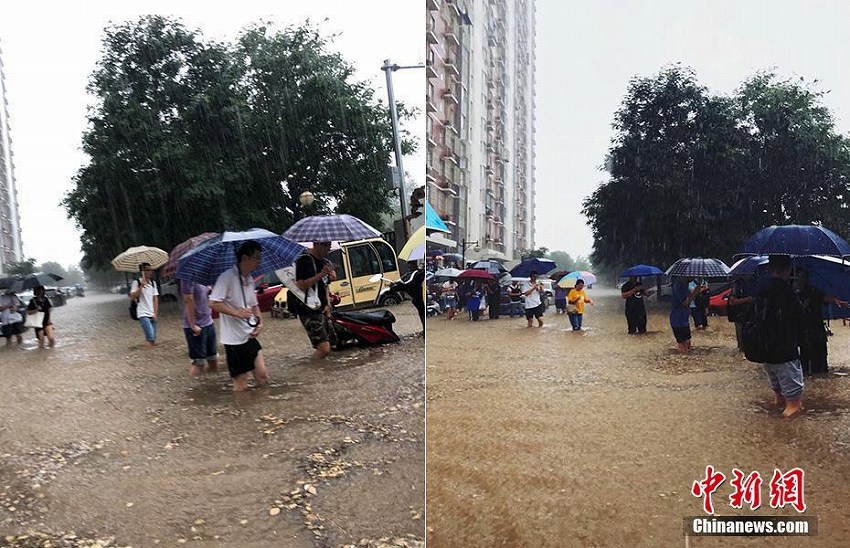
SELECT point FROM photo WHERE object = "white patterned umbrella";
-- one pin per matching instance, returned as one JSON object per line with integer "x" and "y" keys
{"x": 129, "y": 260}
{"x": 327, "y": 228}
{"x": 698, "y": 268}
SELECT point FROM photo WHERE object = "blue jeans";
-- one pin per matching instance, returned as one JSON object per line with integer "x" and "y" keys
{"x": 575, "y": 320}
{"x": 148, "y": 328}
{"x": 785, "y": 378}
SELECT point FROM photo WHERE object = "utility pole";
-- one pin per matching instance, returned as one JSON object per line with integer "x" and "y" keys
{"x": 389, "y": 67}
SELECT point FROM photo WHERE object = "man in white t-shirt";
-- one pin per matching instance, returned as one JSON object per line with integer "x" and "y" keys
{"x": 234, "y": 299}
{"x": 534, "y": 295}
{"x": 146, "y": 294}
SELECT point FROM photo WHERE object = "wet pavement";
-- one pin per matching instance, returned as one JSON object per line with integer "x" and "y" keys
{"x": 546, "y": 437}
{"x": 104, "y": 440}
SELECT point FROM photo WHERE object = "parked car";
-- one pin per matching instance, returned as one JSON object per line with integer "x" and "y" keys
{"x": 719, "y": 304}
{"x": 356, "y": 262}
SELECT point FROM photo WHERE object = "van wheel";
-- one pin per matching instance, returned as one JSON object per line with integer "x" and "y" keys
{"x": 390, "y": 300}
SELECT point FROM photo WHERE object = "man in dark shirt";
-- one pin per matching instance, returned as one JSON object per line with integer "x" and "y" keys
{"x": 784, "y": 315}
{"x": 412, "y": 283}
{"x": 313, "y": 308}
{"x": 633, "y": 292}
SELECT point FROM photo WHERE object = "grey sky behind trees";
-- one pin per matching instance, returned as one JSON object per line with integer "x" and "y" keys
{"x": 50, "y": 48}
{"x": 588, "y": 51}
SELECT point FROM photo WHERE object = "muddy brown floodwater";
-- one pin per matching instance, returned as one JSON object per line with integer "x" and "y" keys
{"x": 545, "y": 437}
{"x": 102, "y": 439}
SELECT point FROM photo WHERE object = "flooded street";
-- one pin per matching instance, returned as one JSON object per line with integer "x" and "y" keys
{"x": 546, "y": 437}
{"x": 102, "y": 438}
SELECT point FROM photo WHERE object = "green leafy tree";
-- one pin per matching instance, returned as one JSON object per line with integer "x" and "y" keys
{"x": 693, "y": 174}
{"x": 563, "y": 260}
{"x": 538, "y": 253}
{"x": 21, "y": 268}
{"x": 55, "y": 268}
{"x": 188, "y": 136}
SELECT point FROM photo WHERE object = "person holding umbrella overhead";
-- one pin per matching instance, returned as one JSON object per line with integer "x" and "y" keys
{"x": 633, "y": 292}
{"x": 146, "y": 294}
{"x": 312, "y": 275}
{"x": 233, "y": 297}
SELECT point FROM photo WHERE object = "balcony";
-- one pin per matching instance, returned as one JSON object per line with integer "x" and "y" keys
{"x": 451, "y": 39}
{"x": 432, "y": 5}
{"x": 451, "y": 157}
{"x": 430, "y": 72}
{"x": 449, "y": 220}
{"x": 431, "y": 37}
{"x": 450, "y": 66}
{"x": 429, "y": 105}
{"x": 450, "y": 97}
{"x": 446, "y": 187}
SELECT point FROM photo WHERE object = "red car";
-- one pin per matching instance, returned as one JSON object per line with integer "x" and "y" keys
{"x": 267, "y": 287}
{"x": 719, "y": 303}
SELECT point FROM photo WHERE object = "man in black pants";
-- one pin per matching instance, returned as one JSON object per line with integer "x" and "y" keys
{"x": 633, "y": 292}
{"x": 412, "y": 284}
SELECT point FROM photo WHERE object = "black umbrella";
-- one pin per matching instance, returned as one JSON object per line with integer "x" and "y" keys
{"x": 698, "y": 268}
{"x": 31, "y": 281}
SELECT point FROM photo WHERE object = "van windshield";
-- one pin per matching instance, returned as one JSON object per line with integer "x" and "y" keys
{"x": 335, "y": 257}
{"x": 387, "y": 255}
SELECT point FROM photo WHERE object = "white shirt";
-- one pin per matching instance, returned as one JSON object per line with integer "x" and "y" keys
{"x": 533, "y": 299}
{"x": 145, "y": 306}
{"x": 236, "y": 292}
{"x": 10, "y": 315}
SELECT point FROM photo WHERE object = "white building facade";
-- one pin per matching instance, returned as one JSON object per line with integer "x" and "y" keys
{"x": 10, "y": 225}
{"x": 484, "y": 129}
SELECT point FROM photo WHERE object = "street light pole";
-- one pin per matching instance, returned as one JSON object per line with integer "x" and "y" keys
{"x": 389, "y": 68}
{"x": 464, "y": 244}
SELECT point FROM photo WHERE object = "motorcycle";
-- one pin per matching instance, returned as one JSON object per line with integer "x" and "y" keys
{"x": 432, "y": 306}
{"x": 372, "y": 328}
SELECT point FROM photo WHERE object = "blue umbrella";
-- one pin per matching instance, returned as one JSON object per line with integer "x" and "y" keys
{"x": 641, "y": 270}
{"x": 433, "y": 221}
{"x": 525, "y": 268}
{"x": 698, "y": 268}
{"x": 330, "y": 228}
{"x": 795, "y": 240}
{"x": 747, "y": 266}
{"x": 206, "y": 262}
{"x": 829, "y": 274}
{"x": 492, "y": 267}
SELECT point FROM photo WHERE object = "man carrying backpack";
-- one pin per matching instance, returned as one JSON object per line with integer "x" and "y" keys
{"x": 777, "y": 323}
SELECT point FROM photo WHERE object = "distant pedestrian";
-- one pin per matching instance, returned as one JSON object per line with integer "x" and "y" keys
{"x": 633, "y": 292}
{"x": 198, "y": 327}
{"x": 534, "y": 295}
{"x": 449, "y": 295}
{"x": 144, "y": 291}
{"x": 10, "y": 318}
{"x": 576, "y": 299}
{"x": 41, "y": 304}
{"x": 241, "y": 321}
{"x": 560, "y": 294}
{"x": 494, "y": 299}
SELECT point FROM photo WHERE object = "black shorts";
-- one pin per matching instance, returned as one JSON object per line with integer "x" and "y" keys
{"x": 240, "y": 357}
{"x": 682, "y": 334}
{"x": 536, "y": 312}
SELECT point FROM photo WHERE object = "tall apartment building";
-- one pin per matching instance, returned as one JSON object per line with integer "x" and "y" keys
{"x": 480, "y": 101}
{"x": 10, "y": 226}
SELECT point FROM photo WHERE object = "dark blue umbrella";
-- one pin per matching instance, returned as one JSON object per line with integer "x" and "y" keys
{"x": 641, "y": 270}
{"x": 206, "y": 262}
{"x": 525, "y": 268}
{"x": 796, "y": 240}
{"x": 698, "y": 268}
{"x": 748, "y": 266}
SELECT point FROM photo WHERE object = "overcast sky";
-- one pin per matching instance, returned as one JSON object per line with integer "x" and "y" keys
{"x": 588, "y": 51}
{"x": 50, "y": 48}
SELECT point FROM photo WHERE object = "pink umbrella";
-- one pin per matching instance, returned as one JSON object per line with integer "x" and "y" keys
{"x": 478, "y": 274}
{"x": 181, "y": 249}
